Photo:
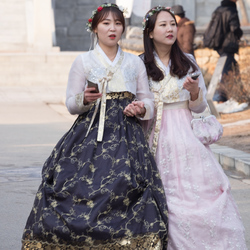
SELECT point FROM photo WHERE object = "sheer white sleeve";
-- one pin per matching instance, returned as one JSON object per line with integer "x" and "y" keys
{"x": 143, "y": 93}
{"x": 75, "y": 88}
{"x": 200, "y": 104}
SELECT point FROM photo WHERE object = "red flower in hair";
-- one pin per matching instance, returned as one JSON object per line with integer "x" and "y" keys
{"x": 99, "y": 8}
{"x": 90, "y": 20}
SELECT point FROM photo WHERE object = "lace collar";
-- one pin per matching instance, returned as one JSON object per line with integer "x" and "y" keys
{"x": 111, "y": 63}
{"x": 166, "y": 69}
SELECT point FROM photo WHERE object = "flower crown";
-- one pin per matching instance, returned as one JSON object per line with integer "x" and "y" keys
{"x": 152, "y": 12}
{"x": 105, "y": 5}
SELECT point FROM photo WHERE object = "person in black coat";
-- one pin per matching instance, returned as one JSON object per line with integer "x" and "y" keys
{"x": 230, "y": 45}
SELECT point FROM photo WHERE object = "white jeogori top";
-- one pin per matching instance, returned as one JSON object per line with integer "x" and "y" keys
{"x": 169, "y": 92}
{"x": 170, "y": 89}
{"x": 128, "y": 73}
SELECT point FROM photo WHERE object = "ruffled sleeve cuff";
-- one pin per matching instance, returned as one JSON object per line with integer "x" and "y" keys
{"x": 199, "y": 105}
{"x": 147, "y": 115}
{"x": 79, "y": 102}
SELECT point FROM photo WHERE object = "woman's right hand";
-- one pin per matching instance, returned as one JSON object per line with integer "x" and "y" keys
{"x": 192, "y": 86}
{"x": 90, "y": 95}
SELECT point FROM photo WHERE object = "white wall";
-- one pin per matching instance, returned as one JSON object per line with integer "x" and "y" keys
{"x": 26, "y": 25}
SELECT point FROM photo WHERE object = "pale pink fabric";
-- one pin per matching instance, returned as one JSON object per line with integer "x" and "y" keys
{"x": 202, "y": 212}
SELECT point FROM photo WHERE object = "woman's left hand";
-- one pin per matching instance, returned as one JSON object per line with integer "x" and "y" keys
{"x": 192, "y": 86}
{"x": 135, "y": 108}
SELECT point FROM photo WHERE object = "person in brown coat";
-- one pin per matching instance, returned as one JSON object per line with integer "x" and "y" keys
{"x": 186, "y": 30}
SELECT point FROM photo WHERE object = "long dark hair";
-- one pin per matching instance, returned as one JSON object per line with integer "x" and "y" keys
{"x": 104, "y": 13}
{"x": 180, "y": 63}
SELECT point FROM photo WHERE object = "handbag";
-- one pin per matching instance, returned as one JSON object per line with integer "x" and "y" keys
{"x": 207, "y": 128}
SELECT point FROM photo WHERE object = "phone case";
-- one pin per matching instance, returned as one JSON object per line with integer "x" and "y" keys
{"x": 195, "y": 75}
{"x": 93, "y": 85}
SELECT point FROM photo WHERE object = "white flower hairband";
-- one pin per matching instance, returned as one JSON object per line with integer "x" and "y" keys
{"x": 152, "y": 12}
{"x": 105, "y": 5}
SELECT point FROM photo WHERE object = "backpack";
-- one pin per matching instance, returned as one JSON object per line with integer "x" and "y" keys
{"x": 214, "y": 35}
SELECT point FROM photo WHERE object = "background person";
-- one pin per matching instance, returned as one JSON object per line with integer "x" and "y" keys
{"x": 229, "y": 46}
{"x": 186, "y": 30}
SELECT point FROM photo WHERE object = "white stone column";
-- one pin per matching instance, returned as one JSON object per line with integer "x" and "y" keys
{"x": 12, "y": 26}
{"x": 40, "y": 25}
{"x": 26, "y": 26}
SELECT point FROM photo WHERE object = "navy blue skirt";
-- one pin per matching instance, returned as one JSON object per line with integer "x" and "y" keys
{"x": 98, "y": 195}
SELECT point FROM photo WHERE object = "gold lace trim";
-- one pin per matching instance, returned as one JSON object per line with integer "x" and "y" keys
{"x": 145, "y": 242}
{"x": 79, "y": 99}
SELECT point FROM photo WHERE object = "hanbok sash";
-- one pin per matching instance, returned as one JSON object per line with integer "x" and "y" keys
{"x": 167, "y": 91}
{"x": 110, "y": 71}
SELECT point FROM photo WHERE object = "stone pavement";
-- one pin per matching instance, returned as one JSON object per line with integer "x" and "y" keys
{"x": 32, "y": 120}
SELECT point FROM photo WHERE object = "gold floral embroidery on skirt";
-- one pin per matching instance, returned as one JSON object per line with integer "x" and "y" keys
{"x": 100, "y": 195}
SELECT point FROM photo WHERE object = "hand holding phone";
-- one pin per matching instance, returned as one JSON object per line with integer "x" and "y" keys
{"x": 195, "y": 75}
{"x": 192, "y": 86}
{"x": 93, "y": 85}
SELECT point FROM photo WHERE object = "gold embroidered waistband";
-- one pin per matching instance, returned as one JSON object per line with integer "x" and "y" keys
{"x": 119, "y": 95}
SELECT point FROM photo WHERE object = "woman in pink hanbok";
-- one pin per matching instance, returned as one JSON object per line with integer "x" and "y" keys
{"x": 202, "y": 212}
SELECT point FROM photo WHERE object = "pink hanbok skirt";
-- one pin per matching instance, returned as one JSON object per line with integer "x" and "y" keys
{"x": 202, "y": 211}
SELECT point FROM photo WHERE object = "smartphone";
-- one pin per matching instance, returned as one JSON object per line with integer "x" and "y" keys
{"x": 93, "y": 85}
{"x": 195, "y": 75}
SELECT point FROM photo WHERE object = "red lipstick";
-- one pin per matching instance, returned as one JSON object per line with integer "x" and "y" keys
{"x": 112, "y": 36}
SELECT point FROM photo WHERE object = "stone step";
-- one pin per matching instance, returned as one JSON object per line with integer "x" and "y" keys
{"x": 232, "y": 159}
{"x": 27, "y": 69}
